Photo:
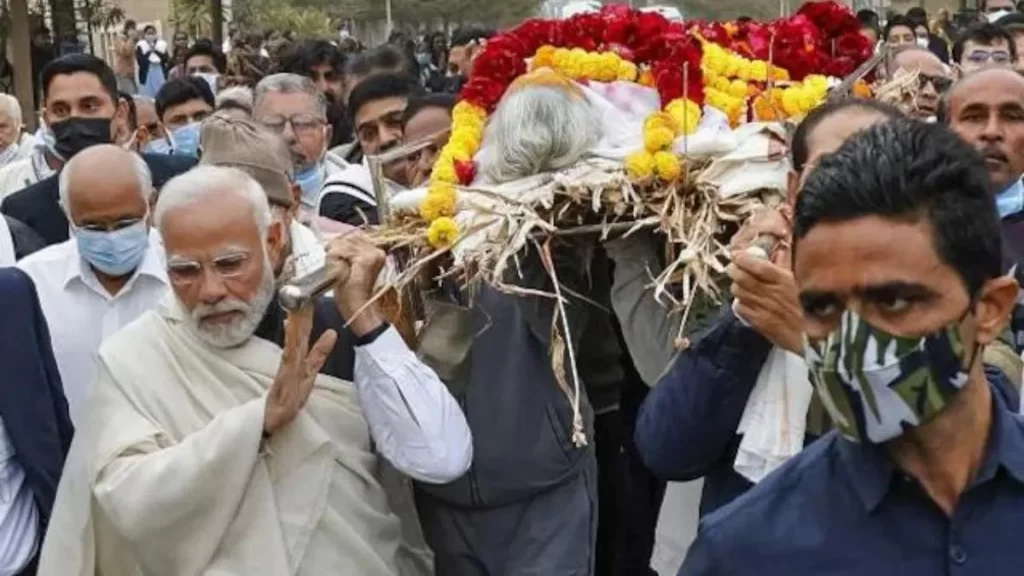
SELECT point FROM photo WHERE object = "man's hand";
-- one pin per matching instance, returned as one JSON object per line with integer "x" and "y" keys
{"x": 766, "y": 297}
{"x": 365, "y": 261}
{"x": 298, "y": 370}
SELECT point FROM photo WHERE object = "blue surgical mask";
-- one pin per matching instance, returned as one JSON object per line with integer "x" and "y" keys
{"x": 310, "y": 180}
{"x": 185, "y": 140}
{"x": 114, "y": 253}
{"x": 48, "y": 139}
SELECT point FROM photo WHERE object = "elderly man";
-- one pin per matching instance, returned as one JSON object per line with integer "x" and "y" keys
{"x": 223, "y": 438}
{"x": 148, "y": 121}
{"x": 264, "y": 156}
{"x": 290, "y": 105}
{"x": 35, "y": 431}
{"x": 108, "y": 274}
{"x": 933, "y": 80}
{"x": 13, "y": 143}
{"x": 83, "y": 109}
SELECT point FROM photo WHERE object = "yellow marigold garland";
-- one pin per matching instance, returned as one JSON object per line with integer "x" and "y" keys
{"x": 443, "y": 233}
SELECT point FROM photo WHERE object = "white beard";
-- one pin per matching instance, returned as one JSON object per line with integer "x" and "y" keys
{"x": 235, "y": 334}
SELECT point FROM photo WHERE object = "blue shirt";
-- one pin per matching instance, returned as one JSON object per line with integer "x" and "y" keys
{"x": 1011, "y": 200}
{"x": 844, "y": 509}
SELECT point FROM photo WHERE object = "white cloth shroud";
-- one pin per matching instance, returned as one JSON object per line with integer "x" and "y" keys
{"x": 775, "y": 418}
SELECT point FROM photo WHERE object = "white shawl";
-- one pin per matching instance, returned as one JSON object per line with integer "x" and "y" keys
{"x": 164, "y": 477}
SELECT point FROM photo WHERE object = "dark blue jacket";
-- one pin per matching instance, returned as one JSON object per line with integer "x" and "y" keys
{"x": 687, "y": 426}
{"x": 38, "y": 206}
{"x": 32, "y": 402}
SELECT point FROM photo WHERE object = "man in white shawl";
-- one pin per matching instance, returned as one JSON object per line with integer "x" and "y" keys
{"x": 207, "y": 450}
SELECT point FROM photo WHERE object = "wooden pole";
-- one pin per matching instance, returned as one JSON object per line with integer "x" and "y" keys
{"x": 21, "y": 59}
{"x": 217, "y": 22}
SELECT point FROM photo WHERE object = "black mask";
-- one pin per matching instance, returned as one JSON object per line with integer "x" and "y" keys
{"x": 73, "y": 135}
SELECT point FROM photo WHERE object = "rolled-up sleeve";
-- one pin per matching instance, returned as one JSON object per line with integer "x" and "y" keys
{"x": 415, "y": 422}
{"x": 686, "y": 424}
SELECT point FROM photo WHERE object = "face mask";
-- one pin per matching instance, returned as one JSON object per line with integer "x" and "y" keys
{"x": 922, "y": 42}
{"x": 185, "y": 140}
{"x": 310, "y": 180}
{"x": 73, "y": 135}
{"x": 158, "y": 146}
{"x": 993, "y": 16}
{"x": 422, "y": 58}
{"x": 210, "y": 79}
{"x": 114, "y": 253}
{"x": 876, "y": 385}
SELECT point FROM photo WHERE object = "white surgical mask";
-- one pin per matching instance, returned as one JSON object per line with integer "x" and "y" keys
{"x": 922, "y": 42}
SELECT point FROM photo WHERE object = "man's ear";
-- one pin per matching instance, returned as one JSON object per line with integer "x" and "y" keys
{"x": 328, "y": 136}
{"x": 995, "y": 303}
{"x": 792, "y": 187}
{"x": 275, "y": 239}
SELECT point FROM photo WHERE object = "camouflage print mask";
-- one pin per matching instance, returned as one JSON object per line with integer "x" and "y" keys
{"x": 876, "y": 385}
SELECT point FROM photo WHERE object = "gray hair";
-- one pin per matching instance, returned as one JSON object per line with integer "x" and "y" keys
{"x": 237, "y": 96}
{"x": 537, "y": 129}
{"x": 205, "y": 181}
{"x": 10, "y": 106}
{"x": 142, "y": 174}
{"x": 285, "y": 83}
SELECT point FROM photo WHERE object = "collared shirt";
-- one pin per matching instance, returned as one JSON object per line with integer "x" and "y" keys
{"x": 1011, "y": 200}
{"x": 414, "y": 421}
{"x": 81, "y": 313}
{"x": 841, "y": 508}
{"x": 19, "y": 517}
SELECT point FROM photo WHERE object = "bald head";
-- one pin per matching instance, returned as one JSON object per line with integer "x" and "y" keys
{"x": 986, "y": 108}
{"x": 118, "y": 190}
{"x": 919, "y": 59}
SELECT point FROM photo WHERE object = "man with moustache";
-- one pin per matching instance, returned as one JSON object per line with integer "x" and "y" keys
{"x": 987, "y": 110}
{"x": 293, "y": 419}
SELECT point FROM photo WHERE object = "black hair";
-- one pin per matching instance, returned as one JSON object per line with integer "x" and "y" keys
{"x": 205, "y": 47}
{"x": 178, "y": 91}
{"x": 909, "y": 170}
{"x": 868, "y": 18}
{"x": 799, "y": 146}
{"x": 76, "y": 63}
{"x": 918, "y": 16}
{"x": 133, "y": 111}
{"x": 985, "y": 34}
{"x": 300, "y": 58}
{"x": 422, "y": 101}
{"x": 894, "y": 22}
{"x": 378, "y": 87}
{"x": 464, "y": 36}
{"x": 130, "y": 24}
{"x": 383, "y": 58}
{"x": 148, "y": 28}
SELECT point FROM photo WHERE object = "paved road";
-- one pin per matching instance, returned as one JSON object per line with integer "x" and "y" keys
{"x": 677, "y": 526}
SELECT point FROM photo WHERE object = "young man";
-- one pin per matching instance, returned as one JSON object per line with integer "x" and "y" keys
{"x": 204, "y": 60}
{"x": 996, "y": 9}
{"x": 427, "y": 116}
{"x": 324, "y": 64}
{"x": 894, "y": 340}
{"x": 984, "y": 45}
{"x": 377, "y": 107}
{"x": 182, "y": 104}
{"x": 82, "y": 109}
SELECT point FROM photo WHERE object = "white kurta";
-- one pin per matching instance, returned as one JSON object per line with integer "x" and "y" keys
{"x": 165, "y": 477}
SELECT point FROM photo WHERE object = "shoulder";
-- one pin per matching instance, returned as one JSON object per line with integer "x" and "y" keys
{"x": 13, "y": 169}
{"x": 32, "y": 199}
{"x": 15, "y": 286}
{"x": 122, "y": 348}
{"x": 798, "y": 490}
{"x": 57, "y": 253}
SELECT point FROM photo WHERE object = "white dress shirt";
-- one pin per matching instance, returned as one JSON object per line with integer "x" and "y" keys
{"x": 415, "y": 422}
{"x": 81, "y": 313}
{"x": 19, "y": 517}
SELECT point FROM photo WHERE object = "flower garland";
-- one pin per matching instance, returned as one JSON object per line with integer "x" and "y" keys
{"x": 723, "y": 65}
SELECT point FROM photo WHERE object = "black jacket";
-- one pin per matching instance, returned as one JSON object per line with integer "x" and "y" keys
{"x": 38, "y": 206}
{"x": 32, "y": 403}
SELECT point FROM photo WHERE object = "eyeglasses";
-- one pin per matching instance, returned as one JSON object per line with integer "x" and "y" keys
{"x": 226, "y": 266}
{"x": 112, "y": 226}
{"x": 941, "y": 83}
{"x": 983, "y": 57}
{"x": 302, "y": 124}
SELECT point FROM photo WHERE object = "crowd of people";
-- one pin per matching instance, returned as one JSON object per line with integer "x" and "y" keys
{"x": 161, "y": 414}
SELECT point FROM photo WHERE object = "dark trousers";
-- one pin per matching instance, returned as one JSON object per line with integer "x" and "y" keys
{"x": 629, "y": 496}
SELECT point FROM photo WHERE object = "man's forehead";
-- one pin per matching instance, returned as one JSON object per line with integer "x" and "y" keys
{"x": 991, "y": 46}
{"x": 920, "y": 60}
{"x": 76, "y": 85}
{"x": 286, "y": 103}
{"x": 992, "y": 87}
{"x": 376, "y": 109}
